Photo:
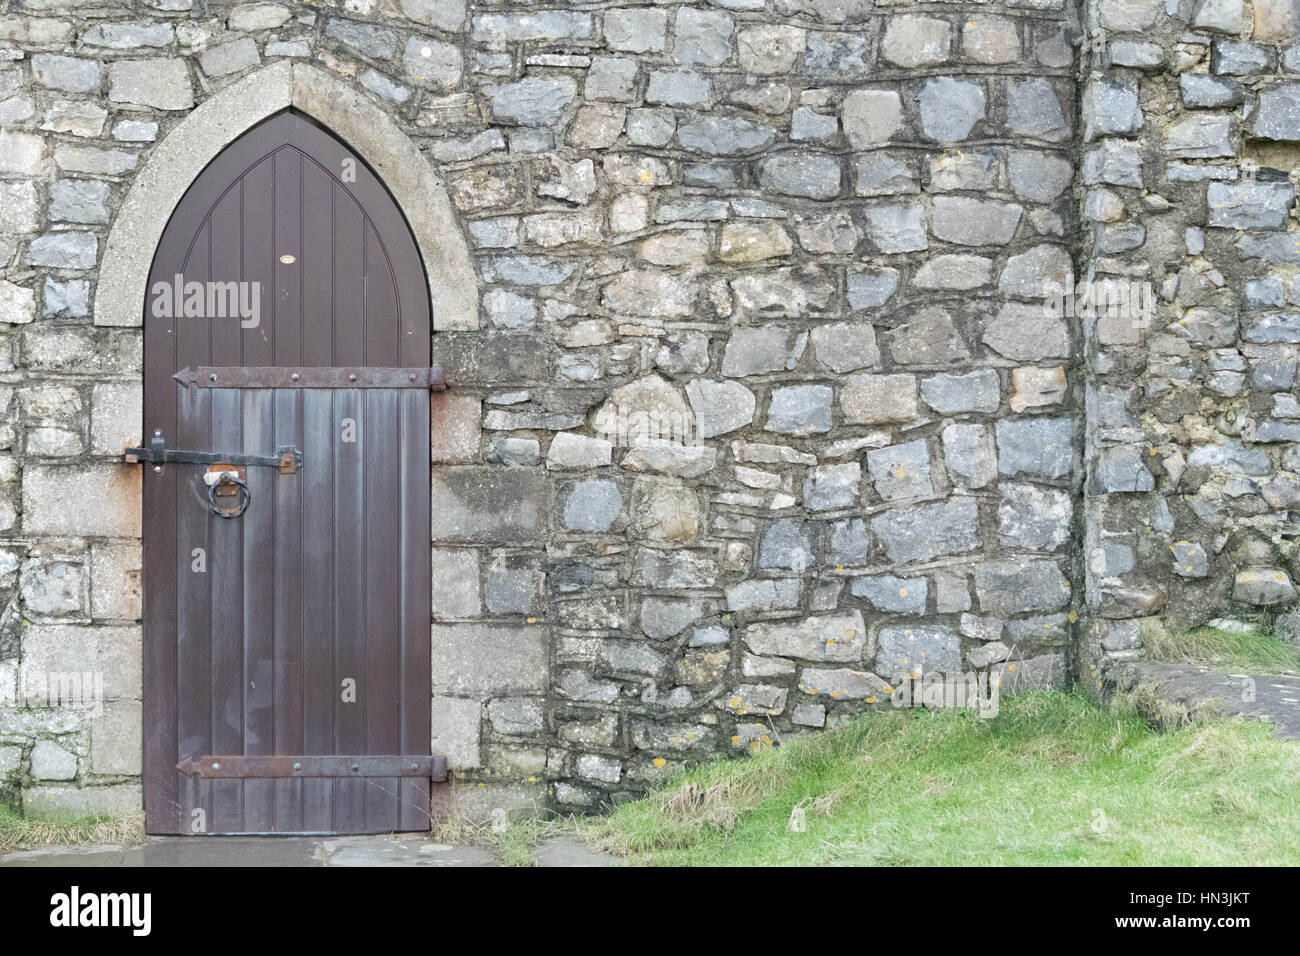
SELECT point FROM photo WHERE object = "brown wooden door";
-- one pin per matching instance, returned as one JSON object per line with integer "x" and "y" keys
{"x": 301, "y": 628}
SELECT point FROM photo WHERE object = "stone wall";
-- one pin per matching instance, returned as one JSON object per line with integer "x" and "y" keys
{"x": 1191, "y": 136}
{"x": 817, "y": 235}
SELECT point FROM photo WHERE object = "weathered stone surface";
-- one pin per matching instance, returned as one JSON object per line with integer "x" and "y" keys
{"x": 830, "y": 637}
{"x": 162, "y": 84}
{"x": 951, "y": 108}
{"x": 970, "y": 455}
{"x": 927, "y": 531}
{"x": 875, "y": 399}
{"x": 915, "y": 650}
{"x": 949, "y": 394}
{"x": 720, "y": 407}
{"x": 1037, "y": 447}
{"x": 481, "y": 660}
{"x": 799, "y": 410}
{"x": 480, "y": 504}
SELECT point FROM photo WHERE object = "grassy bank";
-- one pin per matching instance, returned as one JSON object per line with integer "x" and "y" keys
{"x": 1053, "y": 779}
{"x": 21, "y": 833}
{"x": 1254, "y": 651}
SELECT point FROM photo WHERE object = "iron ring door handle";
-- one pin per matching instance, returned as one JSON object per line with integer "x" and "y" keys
{"x": 245, "y": 496}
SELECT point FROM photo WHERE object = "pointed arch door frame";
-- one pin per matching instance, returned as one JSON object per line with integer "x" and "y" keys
{"x": 199, "y": 138}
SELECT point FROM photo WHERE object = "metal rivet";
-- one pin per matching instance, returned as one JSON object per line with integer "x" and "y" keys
{"x": 216, "y": 766}
{"x": 356, "y": 768}
{"x": 295, "y": 376}
{"x": 157, "y": 469}
{"x": 157, "y": 433}
{"x": 297, "y": 766}
{"x": 288, "y": 259}
{"x": 352, "y": 377}
{"x": 411, "y": 377}
{"x": 212, "y": 377}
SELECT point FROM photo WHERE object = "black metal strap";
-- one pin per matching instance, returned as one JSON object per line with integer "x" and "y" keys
{"x": 430, "y": 379}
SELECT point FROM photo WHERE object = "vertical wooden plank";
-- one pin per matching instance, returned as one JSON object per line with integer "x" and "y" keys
{"x": 226, "y": 576}
{"x": 416, "y": 679}
{"x": 383, "y": 630}
{"x": 349, "y": 281}
{"x": 193, "y": 637}
{"x": 350, "y": 513}
{"x": 317, "y": 266}
{"x": 383, "y": 345}
{"x": 320, "y": 683}
{"x": 288, "y": 242}
{"x": 288, "y": 610}
{"x": 259, "y": 606}
{"x": 259, "y": 261}
{"x": 226, "y": 257}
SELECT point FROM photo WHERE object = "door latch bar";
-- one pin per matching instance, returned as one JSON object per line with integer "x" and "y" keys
{"x": 287, "y": 458}
{"x": 237, "y": 766}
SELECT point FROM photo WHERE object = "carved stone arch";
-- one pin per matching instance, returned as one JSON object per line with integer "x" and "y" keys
{"x": 230, "y": 112}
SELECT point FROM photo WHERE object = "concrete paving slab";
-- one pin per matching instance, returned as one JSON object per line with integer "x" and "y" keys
{"x": 566, "y": 852}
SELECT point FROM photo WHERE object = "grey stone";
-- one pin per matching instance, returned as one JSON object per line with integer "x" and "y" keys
{"x": 1034, "y": 109}
{"x": 702, "y": 37}
{"x": 870, "y": 288}
{"x": 1110, "y": 107}
{"x": 161, "y": 83}
{"x": 950, "y": 108}
{"x": 846, "y": 543}
{"x": 829, "y": 637}
{"x": 769, "y": 49}
{"x": 882, "y": 174}
{"x": 1258, "y": 205}
{"x": 1209, "y": 92}
{"x": 369, "y": 40}
{"x": 1236, "y": 58}
{"x": 787, "y": 546}
{"x": 489, "y": 659}
{"x": 1219, "y": 16}
{"x": 835, "y": 55}
{"x": 1191, "y": 560}
{"x": 1113, "y": 162}
{"x": 762, "y": 595}
{"x": 1027, "y": 333}
{"x": 845, "y": 346}
{"x": 901, "y": 471}
{"x": 950, "y": 394}
{"x": 532, "y": 101}
{"x": 1037, "y": 447}
{"x": 79, "y": 200}
{"x": 1277, "y": 113}
{"x": 593, "y": 505}
{"x": 549, "y": 25}
{"x": 974, "y": 222}
{"x": 969, "y": 454}
{"x": 1263, "y": 586}
{"x": 1201, "y": 136}
{"x": 1033, "y": 518}
{"x": 432, "y": 63}
{"x": 679, "y": 88}
{"x": 928, "y": 337}
{"x": 889, "y": 593}
{"x": 230, "y": 57}
{"x": 925, "y": 532}
{"x": 809, "y": 175}
{"x": 799, "y": 410}
{"x": 64, "y": 250}
{"x": 871, "y": 117}
{"x": 897, "y": 228}
{"x": 636, "y": 29}
{"x": 65, "y": 73}
{"x": 1015, "y": 586}
{"x": 912, "y": 41}
{"x": 832, "y": 486}
{"x": 611, "y": 78}
{"x": 917, "y": 649}
{"x": 128, "y": 36}
{"x": 876, "y": 399}
{"x": 720, "y": 407}
{"x": 759, "y": 349}
{"x": 841, "y": 683}
{"x": 1038, "y": 177}
{"x": 721, "y": 135}
{"x": 1122, "y": 469}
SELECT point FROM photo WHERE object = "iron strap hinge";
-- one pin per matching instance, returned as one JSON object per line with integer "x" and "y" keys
{"x": 276, "y": 376}
{"x": 287, "y": 458}
{"x": 279, "y": 766}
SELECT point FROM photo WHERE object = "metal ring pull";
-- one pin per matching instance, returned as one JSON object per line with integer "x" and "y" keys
{"x": 245, "y": 495}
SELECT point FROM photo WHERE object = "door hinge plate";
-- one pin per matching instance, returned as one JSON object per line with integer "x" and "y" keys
{"x": 279, "y": 766}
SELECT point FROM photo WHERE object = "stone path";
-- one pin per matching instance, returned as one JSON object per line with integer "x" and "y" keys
{"x": 297, "y": 851}
{"x": 1276, "y": 698}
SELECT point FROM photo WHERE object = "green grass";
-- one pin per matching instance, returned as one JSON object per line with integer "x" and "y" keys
{"x": 1052, "y": 780}
{"x": 1256, "y": 651}
{"x": 25, "y": 833}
